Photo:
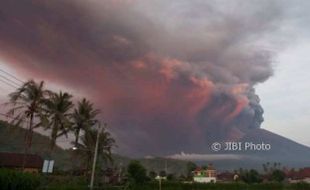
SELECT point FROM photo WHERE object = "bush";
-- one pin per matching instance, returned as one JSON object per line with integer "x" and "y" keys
{"x": 251, "y": 176}
{"x": 13, "y": 180}
{"x": 277, "y": 175}
{"x": 137, "y": 172}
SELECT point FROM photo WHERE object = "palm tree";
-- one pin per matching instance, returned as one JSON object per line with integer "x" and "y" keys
{"x": 58, "y": 108}
{"x": 27, "y": 106}
{"x": 84, "y": 117}
{"x": 86, "y": 148}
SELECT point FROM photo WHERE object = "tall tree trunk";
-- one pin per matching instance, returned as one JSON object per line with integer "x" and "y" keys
{"x": 53, "y": 138}
{"x": 28, "y": 139}
{"x": 30, "y": 131}
{"x": 77, "y": 133}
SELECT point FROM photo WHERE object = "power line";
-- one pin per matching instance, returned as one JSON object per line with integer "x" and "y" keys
{"x": 13, "y": 82}
{"x": 39, "y": 143}
{"x": 1, "y": 70}
{"x": 8, "y": 83}
{"x": 23, "y": 120}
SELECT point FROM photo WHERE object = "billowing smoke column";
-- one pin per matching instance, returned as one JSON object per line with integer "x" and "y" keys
{"x": 169, "y": 76}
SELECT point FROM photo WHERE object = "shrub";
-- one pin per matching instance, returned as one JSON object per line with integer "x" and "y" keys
{"x": 251, "y": 176}
{"x": 13, "y": 180}
{"x": 277, "y": 175}
{"x": 137, "y": 172}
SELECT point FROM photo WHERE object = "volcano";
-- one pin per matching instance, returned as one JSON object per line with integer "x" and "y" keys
{"x": 288, "y": 153}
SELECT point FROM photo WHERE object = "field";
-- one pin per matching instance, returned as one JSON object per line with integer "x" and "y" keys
{"x": 181, "y": 186}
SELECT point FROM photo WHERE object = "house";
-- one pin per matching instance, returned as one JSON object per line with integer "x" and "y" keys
{"x": 303, "y": 175}
{"x": 207, "y": 175}
{"x": 17, "y": 161}
{"x": 227, "y": 177}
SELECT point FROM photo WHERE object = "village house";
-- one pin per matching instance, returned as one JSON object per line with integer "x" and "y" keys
{"x": 207, "y": 175}
{"x": 302, "y": 175}
{"x": 28, "y": 163}
{"x": 227, "y": 177}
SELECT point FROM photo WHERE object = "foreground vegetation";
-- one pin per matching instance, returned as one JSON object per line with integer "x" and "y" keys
{"x": 33, "y": 106}
{"x": 136, "y": 179}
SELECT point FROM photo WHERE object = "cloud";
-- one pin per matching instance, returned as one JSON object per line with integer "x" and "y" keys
{"x": 167, "y": 75}
{"x": 205, "y": 157}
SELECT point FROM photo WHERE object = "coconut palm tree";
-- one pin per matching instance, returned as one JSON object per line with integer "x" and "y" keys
{"x": 86, "y": 148}
{"x": 27, "y": 106}
{"x": 58, "y": 107}
{"x": 84, "y": 117}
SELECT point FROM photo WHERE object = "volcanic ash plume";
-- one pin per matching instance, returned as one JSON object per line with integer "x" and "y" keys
{"x": 168, "y": 75}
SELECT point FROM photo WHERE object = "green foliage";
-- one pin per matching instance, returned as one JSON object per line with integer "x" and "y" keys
{"x": 251, "y": 176}
{"x": 33, "y": 106}
{"x": 217, "y": 186}
{"x": 171, "y": 177}
{"x": 85, "y": 149}
{"x": 162, "y": 173}
{"x": 11, "y": 180}
{"x": 58, "y": 108}
{"x": 27, "y": 104}
{"x": 152, "y": 174}
{"x": 277, "y": 175}
{"x": 137, "y": 172}
{"x": 190, "y": 167}
{"x": 84, "y": 117}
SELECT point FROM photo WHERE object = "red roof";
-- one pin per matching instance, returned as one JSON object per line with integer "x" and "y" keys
{"x": 305, "y": 172}
{"x": 17, "y": 159}
{"x": 300, "y": 174}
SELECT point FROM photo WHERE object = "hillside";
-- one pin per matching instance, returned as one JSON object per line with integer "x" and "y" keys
{"x": 11, "y": 140}
{"x": 289, "y": 153}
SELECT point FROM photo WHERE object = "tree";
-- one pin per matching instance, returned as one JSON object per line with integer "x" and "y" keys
{"x": 171, "y": 177}
{"x": 58, "y": 108}
{"x": 27, "y": 102}
{"x": 163, "y": 173}
{"x": 251, "y": 176}
{"x": 190, "y": 168}
{"x": 152, "y": 174}
{"x": 277, "y": 175}
{"x": 86, "y": 148}
{"x": 84, "y": 117}
{"x": 137, "y": 172}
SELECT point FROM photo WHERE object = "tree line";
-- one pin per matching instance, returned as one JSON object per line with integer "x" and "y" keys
{"x": 33, "y": 106}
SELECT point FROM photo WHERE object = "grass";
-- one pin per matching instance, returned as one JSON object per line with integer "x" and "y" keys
{"x": 182, "y": 186}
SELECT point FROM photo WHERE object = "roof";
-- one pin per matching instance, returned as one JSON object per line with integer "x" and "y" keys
{"x": 226, "y": 176}
{"x": 17, "y": 159}
{"x": 298, "y": 174}
{"x": 209, "y": 167}
{"x": 305, "y": 172}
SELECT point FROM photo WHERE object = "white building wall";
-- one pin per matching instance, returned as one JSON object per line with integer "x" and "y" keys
{"x": 205, "y": 179}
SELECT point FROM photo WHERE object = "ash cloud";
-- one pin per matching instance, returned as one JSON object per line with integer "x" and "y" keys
{"x": 168, "y": 75}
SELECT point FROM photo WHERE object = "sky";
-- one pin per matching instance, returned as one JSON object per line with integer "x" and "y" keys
{"x": 168, "y": 76}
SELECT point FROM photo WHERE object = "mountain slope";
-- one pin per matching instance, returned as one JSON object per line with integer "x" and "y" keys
{"x": 288, "y": 152}
{"x": 283, "y": 150}
{"x": 12, "y": 140}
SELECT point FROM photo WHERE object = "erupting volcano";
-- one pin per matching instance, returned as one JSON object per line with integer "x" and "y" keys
{"x": 169, "y": 77}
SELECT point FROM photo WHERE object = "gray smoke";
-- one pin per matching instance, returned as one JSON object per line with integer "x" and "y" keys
{"x": 170, "y": 74}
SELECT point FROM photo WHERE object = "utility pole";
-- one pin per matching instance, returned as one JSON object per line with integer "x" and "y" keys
{"x": 95, "y": 158}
